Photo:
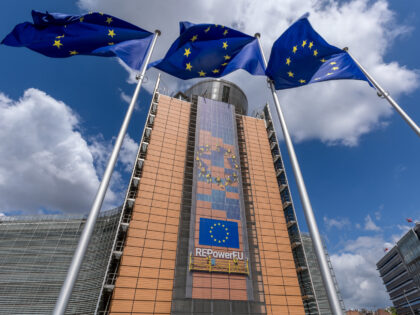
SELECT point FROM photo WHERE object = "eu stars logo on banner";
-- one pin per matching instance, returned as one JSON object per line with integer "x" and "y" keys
{"x": 59, "y": 35}
{"x": 218, "y": 233}
{"x": 211, "y": 50}
{"x": 301, "y": 56}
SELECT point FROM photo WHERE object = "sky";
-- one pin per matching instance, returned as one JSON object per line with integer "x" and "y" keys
{"x": 359, "y": 159}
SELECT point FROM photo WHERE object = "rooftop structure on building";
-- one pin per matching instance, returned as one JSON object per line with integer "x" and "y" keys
{"x": 400, "y": 272}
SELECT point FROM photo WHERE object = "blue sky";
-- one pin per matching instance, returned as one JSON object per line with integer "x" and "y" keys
{"x": 359, "y": 159}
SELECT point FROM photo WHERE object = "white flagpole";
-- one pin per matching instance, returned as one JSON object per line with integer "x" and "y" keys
{"x": 385, "y": 94}
{"x": 73, "y": 271}
{"x": 306, "y": 205}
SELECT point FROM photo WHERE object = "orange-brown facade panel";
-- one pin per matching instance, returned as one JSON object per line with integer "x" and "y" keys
{"x": 145, "y": 279}
{"x": 281, "y": 287}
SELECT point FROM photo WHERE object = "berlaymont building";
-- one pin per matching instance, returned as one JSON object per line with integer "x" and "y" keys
{"x": 207, "y": 225}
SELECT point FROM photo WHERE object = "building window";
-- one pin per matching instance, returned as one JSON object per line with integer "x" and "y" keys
{"x": 225, "y": 94}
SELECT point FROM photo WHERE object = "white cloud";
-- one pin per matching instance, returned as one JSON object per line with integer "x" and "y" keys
{"x": 338, "y": 223}
{"x": 355, "y": 269}
{"x": 335, "y": 112}
{"x": 127, "y": 100}
{"x": 125, "y": 97}
{"x": 370, "y": 225}
{"x": 378, "y": 213}
{"x": 46, "y": 163}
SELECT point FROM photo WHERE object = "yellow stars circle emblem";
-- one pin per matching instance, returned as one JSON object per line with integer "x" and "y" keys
{"x": 222, "y": 233}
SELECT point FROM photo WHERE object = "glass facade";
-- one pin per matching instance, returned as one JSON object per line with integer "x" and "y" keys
{"x": 409, "y": 247}
{"x": 400, "y": 272}
{"x": 35, "y": 253}
{"x": 319, "y": 287}
{"x": 222, "y": 91}
{"x": 218, "y": 236}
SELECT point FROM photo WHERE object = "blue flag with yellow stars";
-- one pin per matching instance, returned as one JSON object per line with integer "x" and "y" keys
{"x": 211, "y": 50}
{"x": 218, "y": 233}
{"x": 301, "y": 56}
{"x": 60, "y": 35}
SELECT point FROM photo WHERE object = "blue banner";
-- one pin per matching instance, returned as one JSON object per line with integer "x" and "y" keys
{"x": 218, "y": 233}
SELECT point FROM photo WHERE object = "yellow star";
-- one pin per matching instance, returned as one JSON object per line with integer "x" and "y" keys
{"x": 202, "y": 73}
{"x": 111, "y": 43}
{"x": 304, "y": 43}
{"x": 224, "y": 64}
{"x": 101, "y": 13}
{"x": 291, "y": 74}
{"x": 111, "y": 33}
{"x": 73, "y": 52}
{"x": 62, "y": 36}
{"x": 225, "y": 32}
{"x": 329, "y": 73}
{"x": 333, "y": 63}
{"x": 82, "y": 19}
{"x": 109, "y": 20}
{"x": 188, "y": 66}
{"x": 323, "y": 60}
{"x": 315, "y": 52}
{"x": 194, "y": 38}
{"x": 187, "y": 52}
{"x": 310, "y": 45}
{"x": 335, "y": 68}
{"x": 302, "y": 81}
{"x": 288, "y": 61}
{"x": 225, "y": 45}
{"x": 294, "y": 49}
{"x": 57, "y": 43}
{"x": 227, "y": 57}
{"x": 207, "y": 29}
{"x": 215, "y": 71}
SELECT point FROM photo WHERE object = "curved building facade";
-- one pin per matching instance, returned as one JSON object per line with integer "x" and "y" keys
{"x": 222, "y": 91}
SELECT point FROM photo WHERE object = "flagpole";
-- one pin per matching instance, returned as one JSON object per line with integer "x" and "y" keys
{"x": 385, "y": 94}
{"x": 306, "y": 204}
{"x": 73, "y": 271}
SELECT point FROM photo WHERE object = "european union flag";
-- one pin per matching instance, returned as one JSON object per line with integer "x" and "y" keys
{"x": 218, "y": 233}
{"x": 301, "y": 56}
{"x": 211, "y": 50}
{"x": 60, "y": 35}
